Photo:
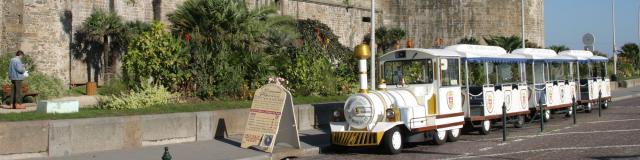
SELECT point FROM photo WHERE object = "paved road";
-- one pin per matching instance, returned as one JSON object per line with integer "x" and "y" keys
{"x": 615, "y": 135}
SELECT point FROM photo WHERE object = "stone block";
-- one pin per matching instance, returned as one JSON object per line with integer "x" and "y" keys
{"x": 204, "y": 130}
{"x": 324, "y": 112}
{"x": 97, "y": 134}
{"x": 59, "y": 138}
{"x": 23, "y": 137}
{"x": 168, "y": 126}
{"x": 235, "y": 120}
{"x": 305, "y": 116}
{"x": 58, "y": 106}
{"x": 132, "y": 132}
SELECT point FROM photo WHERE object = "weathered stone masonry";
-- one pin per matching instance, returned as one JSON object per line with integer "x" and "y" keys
{"x": 43, "y": 28}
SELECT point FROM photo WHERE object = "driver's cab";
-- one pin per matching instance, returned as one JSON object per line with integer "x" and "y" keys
{"x": 431, "y": 75}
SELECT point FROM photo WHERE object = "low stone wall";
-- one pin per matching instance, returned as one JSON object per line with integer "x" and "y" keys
{"x": 66, "y": 137}
{"x": 629, "y": 83}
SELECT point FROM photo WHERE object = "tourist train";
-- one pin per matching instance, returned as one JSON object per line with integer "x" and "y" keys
{"x": 432, "y": 94}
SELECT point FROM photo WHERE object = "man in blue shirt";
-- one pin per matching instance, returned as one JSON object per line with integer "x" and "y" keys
{"x": 17, "y": 73}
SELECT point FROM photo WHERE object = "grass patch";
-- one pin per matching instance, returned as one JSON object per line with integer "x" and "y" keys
{"x": 160, "y": 109}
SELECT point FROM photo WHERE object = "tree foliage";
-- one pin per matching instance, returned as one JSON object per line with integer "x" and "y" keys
{"x": 227, "y": 43}
{"x": 321, "y": 65}
{"x": 386, "y": 38}
{"x": 509, "y": 43}
{"x": 158, "y": 56}
{"x": 629, "y": 64}
{"x": 469, "y": 40}
{"x": 558, "y": 48}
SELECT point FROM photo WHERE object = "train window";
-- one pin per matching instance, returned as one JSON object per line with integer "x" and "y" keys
{"x": 449, "y": 72}
{"x": 557, "y": 71}
{"x": 598, "y": 70}
{"x": 583, "y": 68}
{"x": 492, "y": 73}
{"x": 539, "y": 70}
{"x": 477, "y": 76}
{"x": 408, "y": 72}
{"x": 508, "y": 73}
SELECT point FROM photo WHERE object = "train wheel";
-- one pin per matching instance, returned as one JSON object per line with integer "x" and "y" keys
{"x": 486, "y": 126}
{"x": 392, "y": 141}
{"x": 569, "y": 113}
{"x": 588, "y": 108}
{"x": 605, "y": 105}
{"x": 452, "y": 135}
{"x": 520, "y": 122}
{"x": 439, "y": 137}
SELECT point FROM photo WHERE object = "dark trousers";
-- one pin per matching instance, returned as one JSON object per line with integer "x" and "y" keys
{"x": 17, "y": 92}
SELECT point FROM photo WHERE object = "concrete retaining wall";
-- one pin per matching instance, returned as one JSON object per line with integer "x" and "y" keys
{"x": 66, "y": 137}
{"x": 629, "y": 83}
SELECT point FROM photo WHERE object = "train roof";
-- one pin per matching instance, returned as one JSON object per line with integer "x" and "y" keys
{"x": 535, "y": 53}
{"x": 598, "y": 59}
{"x": 417, "y": 53}
{"x": 560, "y": 58}
{"x": 481, "y": 53}
{"x": 579, "y": 55}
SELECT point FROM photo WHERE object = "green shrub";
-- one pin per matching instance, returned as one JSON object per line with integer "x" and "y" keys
{"x": 46, "y": 86}
{"x": 114, "y": 86}
{"x": 4, "y": 65}
{"x": 146, "y": 96}
{"x": 158, "y": 55}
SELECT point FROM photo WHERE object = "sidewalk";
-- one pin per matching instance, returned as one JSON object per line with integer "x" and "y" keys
{"x": 312, "y": 143}
{"x": 310, "y": 140}
{"x": 625, "y": 93}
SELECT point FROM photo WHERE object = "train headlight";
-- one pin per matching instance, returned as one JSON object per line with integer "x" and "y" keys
{"x": 336, "y": 114}
{"x": 390, "y": 114}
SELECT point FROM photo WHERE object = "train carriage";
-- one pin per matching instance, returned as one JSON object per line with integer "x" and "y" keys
{"x": 420, "y": 101}
{"x": 493, "y": 79}
{"x": 593, "y": 79}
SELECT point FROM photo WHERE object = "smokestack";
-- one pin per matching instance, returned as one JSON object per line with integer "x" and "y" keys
{"x": 362, "y": 53}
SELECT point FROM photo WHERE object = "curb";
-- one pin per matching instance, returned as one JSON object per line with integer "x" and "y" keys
{"x": 625, "y": 97}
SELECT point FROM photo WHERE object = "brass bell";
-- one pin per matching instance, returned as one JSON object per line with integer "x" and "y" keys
{"x": 362, "y": 51}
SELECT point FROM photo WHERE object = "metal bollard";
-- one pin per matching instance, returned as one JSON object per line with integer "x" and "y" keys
{"x": 166, "y": 155}
{"x": 573, "y": 109}
{"x": 541, "y": 115}
{"x": 504, "y": 122}
{"x": 599, "y": 104}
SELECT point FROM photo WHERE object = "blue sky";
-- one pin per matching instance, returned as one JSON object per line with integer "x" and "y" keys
{"x": 566, "y": 21}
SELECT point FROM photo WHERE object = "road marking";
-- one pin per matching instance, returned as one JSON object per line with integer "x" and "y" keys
{"x": 485, "y": 148}
{"x": 621, "y": 120}
{"x": 547, "y": 149}
{"x": 551, "y": 134}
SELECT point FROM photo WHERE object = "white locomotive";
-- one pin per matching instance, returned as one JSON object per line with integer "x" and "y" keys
{"x": 422, "y": 101}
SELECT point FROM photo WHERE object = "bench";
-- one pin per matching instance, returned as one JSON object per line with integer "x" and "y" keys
{"x": 34, "y": 95}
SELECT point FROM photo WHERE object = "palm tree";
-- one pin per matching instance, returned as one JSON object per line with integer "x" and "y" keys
{"x": 631, "y": 52}
{"x": 469, "y": 40}
{"x": 558, "y": 48}
{"x": 99, "y": 42}
{"x": 227, "y": 40}
{"x": 508, "y": 43}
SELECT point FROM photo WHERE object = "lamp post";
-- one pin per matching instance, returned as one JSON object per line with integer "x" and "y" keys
{"x": 522, "y": 19}
{"x": 615, "y": 55}
{"x": 373, "y": 45}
